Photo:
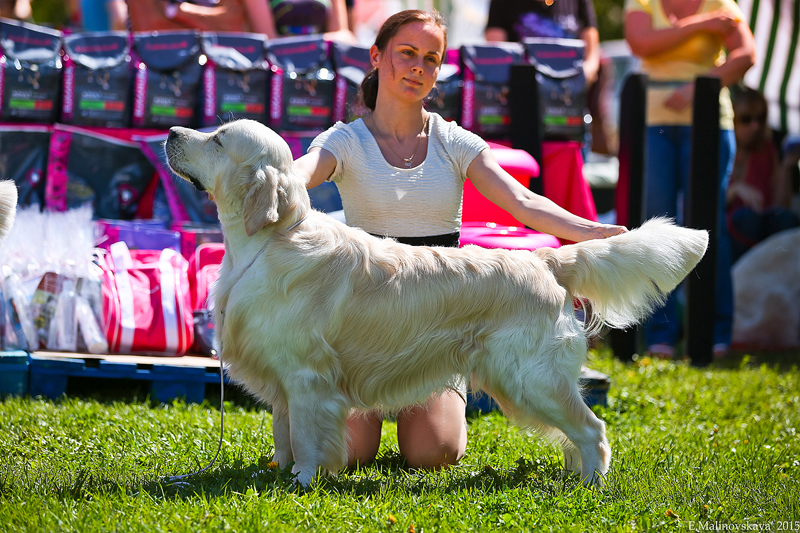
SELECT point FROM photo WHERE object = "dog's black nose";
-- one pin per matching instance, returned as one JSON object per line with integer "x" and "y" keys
{"x": 173, "y": 133}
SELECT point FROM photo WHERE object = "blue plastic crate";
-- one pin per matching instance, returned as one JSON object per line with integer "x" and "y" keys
{"x": 13, "y": 373}
{"x": 49, "y": 375}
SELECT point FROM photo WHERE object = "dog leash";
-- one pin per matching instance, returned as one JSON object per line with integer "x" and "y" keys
{"x": 176, "y": 479}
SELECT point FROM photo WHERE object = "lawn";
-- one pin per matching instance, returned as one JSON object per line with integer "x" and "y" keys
{"x": 694, "y": 449}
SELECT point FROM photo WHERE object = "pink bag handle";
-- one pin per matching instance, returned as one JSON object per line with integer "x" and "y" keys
{"x": 168, "y": 300}
{"x": 122, "y": 263}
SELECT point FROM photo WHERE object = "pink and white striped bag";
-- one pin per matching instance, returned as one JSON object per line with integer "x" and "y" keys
{"x": 147, "y": 301}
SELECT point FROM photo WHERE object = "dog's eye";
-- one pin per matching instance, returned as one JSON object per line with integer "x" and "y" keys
{"x": 216, "y": 140}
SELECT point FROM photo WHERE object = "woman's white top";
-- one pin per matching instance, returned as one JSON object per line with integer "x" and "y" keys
{"x": 401, "y": 202}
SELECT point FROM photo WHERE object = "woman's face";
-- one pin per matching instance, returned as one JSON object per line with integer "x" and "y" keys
{"x": 407, "y": 69}
{"x": 750, "y": 124}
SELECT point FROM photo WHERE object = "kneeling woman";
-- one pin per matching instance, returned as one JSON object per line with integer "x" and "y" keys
{"x": 400, "y": 172}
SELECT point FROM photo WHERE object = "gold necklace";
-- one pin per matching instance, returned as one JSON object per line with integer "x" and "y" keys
{"x": 407, "y": 161}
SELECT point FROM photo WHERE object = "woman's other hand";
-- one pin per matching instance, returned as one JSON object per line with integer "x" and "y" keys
{"x": 719, "y": 21}
{"x": 681, "y": 98}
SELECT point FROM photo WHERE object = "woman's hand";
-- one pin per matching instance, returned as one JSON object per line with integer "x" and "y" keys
{"x": 681, "y": 98}
{"x": 750, "y": 196}
{"x": 719, "y": 21}
{"x": 604, "y": 231}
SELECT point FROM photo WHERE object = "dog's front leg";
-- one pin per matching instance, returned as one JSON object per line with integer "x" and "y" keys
{"x": 280, "y": 433}
{"x": 317, "y": 415}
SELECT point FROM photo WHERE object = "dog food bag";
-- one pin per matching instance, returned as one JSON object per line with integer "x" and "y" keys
{"x": 167, "y": 80}
{"x": 30, "y": 72}
{"x": 351, "y": 64}
{"x": 562, "y": 85}
{"x": 97, "y": 80}
{"x": 301, "y": 92}
{"x": 86, "y": 167}
{"x": 487, "y": 69}
{"x": 235, "y": 79}
{"x": 23, "y": 158}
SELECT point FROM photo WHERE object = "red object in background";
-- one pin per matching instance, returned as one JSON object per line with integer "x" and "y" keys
{"x": 147, "y": 302}
{"x": 562, "y": 175}
{"x": 522, "y": 167}
{"x": 204, "y": 266}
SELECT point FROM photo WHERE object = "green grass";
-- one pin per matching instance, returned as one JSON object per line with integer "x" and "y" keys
{"x": 716, "y": 445}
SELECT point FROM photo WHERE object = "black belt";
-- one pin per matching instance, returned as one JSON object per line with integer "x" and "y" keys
{"x": 449, "y": 240}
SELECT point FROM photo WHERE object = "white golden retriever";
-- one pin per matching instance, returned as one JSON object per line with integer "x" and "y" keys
{"x": 316, "y": 318}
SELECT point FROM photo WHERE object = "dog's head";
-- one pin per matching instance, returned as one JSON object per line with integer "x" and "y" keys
{"x": 245, "y": 167}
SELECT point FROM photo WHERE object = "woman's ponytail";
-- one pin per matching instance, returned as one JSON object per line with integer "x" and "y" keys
{"x": 369, "y": 89}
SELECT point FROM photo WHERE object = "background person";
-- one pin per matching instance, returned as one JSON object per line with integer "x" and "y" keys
{"x": 514, "y": 20}
{"x": 161, "y": 15}
{"x": 677, "y": 41}
{"x": 401, "y": 171}
{"x": 759, "y": 191}
{"x": 104, "y": 15}
{"x": 283, "y": 18}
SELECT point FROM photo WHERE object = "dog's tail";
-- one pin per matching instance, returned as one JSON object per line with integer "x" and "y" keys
{"x": 8, "y": 207}
{"x": 625, "y": 277}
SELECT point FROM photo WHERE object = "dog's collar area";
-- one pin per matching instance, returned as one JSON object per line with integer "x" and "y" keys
{"x": 230, "y": 217}
{"x": 290, "y": 228}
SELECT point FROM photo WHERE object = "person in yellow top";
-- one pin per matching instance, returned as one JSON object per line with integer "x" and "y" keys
{"x": 678, "y": 40}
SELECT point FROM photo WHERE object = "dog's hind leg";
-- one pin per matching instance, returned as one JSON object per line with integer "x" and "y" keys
{"x": 317, "y": 416}
{"x": 558, "y": 405}
{"x": 541, "y": 391}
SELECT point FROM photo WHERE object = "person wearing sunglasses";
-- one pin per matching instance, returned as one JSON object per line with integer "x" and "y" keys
{"x": 759, "y": 194}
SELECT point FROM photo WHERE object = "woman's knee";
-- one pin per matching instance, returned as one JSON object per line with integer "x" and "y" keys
{"x": 432, "y": 454}
{"x": 434, "y": 435}
{"x": 363, "y": 437}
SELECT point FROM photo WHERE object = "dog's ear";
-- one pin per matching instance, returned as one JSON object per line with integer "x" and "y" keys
{"x": 261, "y": 203}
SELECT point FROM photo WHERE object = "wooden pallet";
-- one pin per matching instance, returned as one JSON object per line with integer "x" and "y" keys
{"x": 169, "y": 377}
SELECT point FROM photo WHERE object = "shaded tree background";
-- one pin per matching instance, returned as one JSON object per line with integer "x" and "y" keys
{"x": 609, "y": 18}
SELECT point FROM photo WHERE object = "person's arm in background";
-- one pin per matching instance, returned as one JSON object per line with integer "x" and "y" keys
{"x": 148, "y": 15}
{"x": 591, "y": 54}
{"x": 741, "y": 56}
{"x": 495, "y": 25}
{"x": 645, "y": 41}
{"x": 227, "y": 15}
{"x": 117, "y": 14}
{"x": 587, "y": 20}
{"x": 495, "y": 35}
{"x": 338, "y": 28}
{"x": 260, "y": 17}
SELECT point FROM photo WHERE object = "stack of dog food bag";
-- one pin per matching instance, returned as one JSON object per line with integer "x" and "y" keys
{"x": 82, "y": 121}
